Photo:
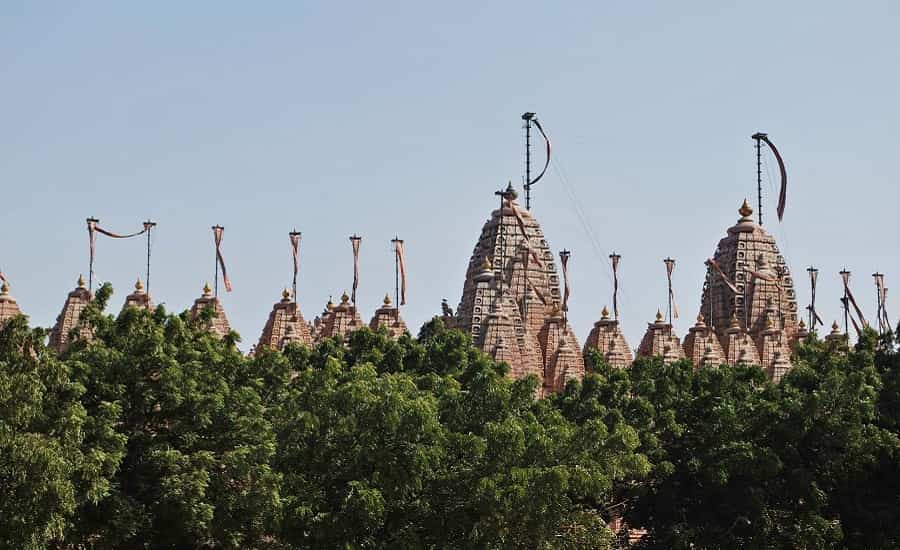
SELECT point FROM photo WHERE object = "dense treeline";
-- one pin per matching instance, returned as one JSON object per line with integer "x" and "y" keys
{"x": 160, "y": 435}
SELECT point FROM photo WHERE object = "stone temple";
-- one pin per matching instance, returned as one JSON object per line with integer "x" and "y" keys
{"x": 511, "y": 303}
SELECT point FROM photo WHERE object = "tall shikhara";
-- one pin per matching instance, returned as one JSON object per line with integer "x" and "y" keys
{"x": 749, "y": 295}
{"x": 511, "y": 302}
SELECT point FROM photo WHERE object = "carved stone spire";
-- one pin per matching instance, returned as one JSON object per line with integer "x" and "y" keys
{"x": 69, "y": 318}
{"x": 388, "y": 316}
{"x": 8, "y": 306}
{"x": 607, "y": 338}
{"x": 138, "y": 298}
{"x": 658, "y": 339}
{"x": 701, "y": 345}
{"x": 340, "y": 320}
{"x": 285, "y": 313}
{"x": 219, "y": 323}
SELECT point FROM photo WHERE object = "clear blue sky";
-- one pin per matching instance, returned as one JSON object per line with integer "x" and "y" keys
{"x": 388, "y": 118}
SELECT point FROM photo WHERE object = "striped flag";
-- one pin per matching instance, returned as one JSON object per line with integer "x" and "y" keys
{"x": 355, "y": 241}
{"x": 401, "y": 261}
{"x": 218, "y": 232}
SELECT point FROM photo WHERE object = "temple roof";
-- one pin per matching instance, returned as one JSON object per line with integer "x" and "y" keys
{"x": 339, "y": 320}
{"x": 68, "y": 319}
{"x": 389, "y": 317}
{"x": 138, "y": 298}
{"x": 659, "y": 339}
{"x": 219, "y": 323}
{"x": 285, "y": 313}
{"x": 607, "y": 338}
{"x": 9, "y": 308}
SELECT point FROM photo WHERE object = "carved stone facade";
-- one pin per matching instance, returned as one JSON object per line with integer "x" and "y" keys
{"x": 660, "y": 340}
{"x": 339, "y": 320}
{"x": 138, "y": 298}
{"x": 69, "y": 318}
{"x": 285, "y": 324}
{"x": 8, "y": 306}
{"x": 218, "y": 324}
{"x": 511, "y": 300}
{"x": 607, "y": 338}
{"x": 702, "y": 347}
{"x": 388, "y": 316}
{"x": 761, "y": 307}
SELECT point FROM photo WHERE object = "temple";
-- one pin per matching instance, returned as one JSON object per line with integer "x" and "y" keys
{"x": 8, "y": 306}
{"x": 388, "y": 317}
{"x": 70, "y": 317}
{"x": 511, "y": 304}
{"x": 218, "y": 322}
{"x": 285, "y": 324}
{"x": 338, "y": 321}
{"x": 138, "y": 298}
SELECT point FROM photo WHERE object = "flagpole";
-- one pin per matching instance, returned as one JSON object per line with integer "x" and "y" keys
{"x": 149, "y": 225}
{"x": 669, "y": 262}
{"x": 845, "y": 277}
{"x": 759, "y": 136}
{"x": 216, "y": 260}
{"x": 614, "y": 261}
{"x": 394, "y": 241}
{"x": 812, "y": 297}
{"x": 875, "y": 276}
{"x": 293, "y": 234}
{"x": 91, "y": 222}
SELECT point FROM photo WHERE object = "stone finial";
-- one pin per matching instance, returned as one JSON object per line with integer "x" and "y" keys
{"x": 604, "y": 315}
{"x": 345, "y": 298}
{"x": 285, "y": 295}
{"x": 4, "y": 288}
{"x": 701, "y": 321}
{"x": 659, "y": 316}
{"x": 207, "y": 291}
{"x": 81, "y": 282}
{"x": 835, "y": 329}
{"x": 745, "y": 210}
{"x": 802, "y": 325}
{"x": 330, "y": 305}
{"x": 138, "y": 286}
{"x": 387, "y": 299}
{"x": 486, "y": 264}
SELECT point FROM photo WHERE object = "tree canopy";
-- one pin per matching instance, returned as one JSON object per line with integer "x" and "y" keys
{"x": 155, "y": 433}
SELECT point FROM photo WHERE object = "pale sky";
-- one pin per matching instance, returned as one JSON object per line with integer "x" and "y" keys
{"x": 386, "y": 118}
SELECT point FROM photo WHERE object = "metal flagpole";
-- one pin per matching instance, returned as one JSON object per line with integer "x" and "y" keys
{"x": 149, "y": 225}
{"x": 845, "y": 278}
{"x": 875, "y": 276}
{"x": 759, "y": 136}
{"x": 670, "y": 264}
{"x": 527, "y": 117}
{"x": 394, "y": 242}
{"x": 216, "y": 228}
{"x": 294, "y": 234}
{"x": 91, "y": 223}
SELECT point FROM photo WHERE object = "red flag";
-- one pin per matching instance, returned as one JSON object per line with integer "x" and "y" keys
{"x": 564, "y": 260}
{"x": 354, "y": 241}
{"x": 401, "y": 261}
{"x": 218, "y": 231}
{"x": 295, "y": 250}
{"x": 782, "y": 194}
{"x": 728, "y": 282}
{"x": 614, "y": 258}
{"x": 521, "y": 223}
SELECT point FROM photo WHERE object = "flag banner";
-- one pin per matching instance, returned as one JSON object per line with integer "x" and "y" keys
{"x": 884, "y": 313}
{"x": 782, "y": 194}
{"x": 295, "y": 250}
{"x": 521, "y": 223}
{"x": 549, "y": 148}
{"x": 355, "y": 241}
{"x": 728, "y": 282}
{"x": 670, "y": 267}
{"x": 528, "y": 283}
{"x": 218, "y": 232}
{"x": 564, "y": 260}
{"x": 813, "y": 278}
{"x": 401, "y": 261}
{"x": 845, "y": 276}
{"x": 3, "y": 277}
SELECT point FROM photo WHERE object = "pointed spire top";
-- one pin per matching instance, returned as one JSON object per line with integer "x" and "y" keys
{"x": 4, "y": 288}
{"x": 80, "y": 281}
{"x": 486, "y": 264}
{"x": 509, "y": 193}
{"x": 604, "y": 315}
{"x": 802, "y": 325}
{"x": 207, "y": 291}
{"x": 387, "y": 299}
{"x": 345, "y": 298}
{"x": 285, "y": 295}
{"x": 701, "y": 321}
{"x": 330, "y": 305}
{"x": 835, "y": 329}
{"x": 139, "y": 286}
{"x": 659, "y": 316}
{"x": 746, "y": 210}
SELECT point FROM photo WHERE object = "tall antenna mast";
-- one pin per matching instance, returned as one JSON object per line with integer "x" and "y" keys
{"x": 528, "y": 117}
{"x": 759, "y": 136}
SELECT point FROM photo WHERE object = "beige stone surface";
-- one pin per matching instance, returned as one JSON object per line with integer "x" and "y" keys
{"x": 9, "y": 308}
{"x": 388, "y": 316}
{"x": 606, "y": 337}
{"x": 69, "y": 318}
{"x": 219, "y": 323}
{"x": 285, "y": 319}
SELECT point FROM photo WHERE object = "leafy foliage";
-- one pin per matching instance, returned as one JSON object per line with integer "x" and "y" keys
{"x": 154, "y": 433}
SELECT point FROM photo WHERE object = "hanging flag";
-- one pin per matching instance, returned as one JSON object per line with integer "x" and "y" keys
{"x": 295, "y": 250}
{"x": 3, "y": 277}
{"x": 521, "y": 223}
{"x": 354, "y": 241}
{"x": 537, "y": 291}
{"x": 728, "y": 282}
{"x": 782, "y": 194}
{"x": 845, "y": 276}
{"x": 614, "y": 259}
{"x": 401, "y": 261}
{"x": 548, "y": 147}
{"x": 670, "y": 267}
{"x": 218, "y": 232}
{"x": 564, "y": 260}
{"x": 884, "y": 313}
{"x": 813, "y": 278}
{"x": 93, "y": 228}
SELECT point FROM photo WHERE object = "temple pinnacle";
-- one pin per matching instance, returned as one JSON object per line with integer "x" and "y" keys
{"x": 745, "y": 210}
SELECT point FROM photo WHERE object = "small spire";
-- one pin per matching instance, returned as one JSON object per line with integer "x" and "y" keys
{"x": 734, "y": 321}
{"x": 835, "y": 329}
{"x": 700, "y": 320}
{"x": 4, "y": 288}
{"x": 745, "y": 210}
{"x": 802, "y": 324}
{"x": 659, "y": 316}
{"x": 345, "y": 299}
{"x": 387, "y": 299}
{"x": 486, "y": 264}
{"x": 285, "y": 295}
{"x": 604, "y": 315}
{"x": 139, "y": 286}
{"x": 206, "y": 289}
{"x": 330, "y": 305}
{"x": 81, "y": 281}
